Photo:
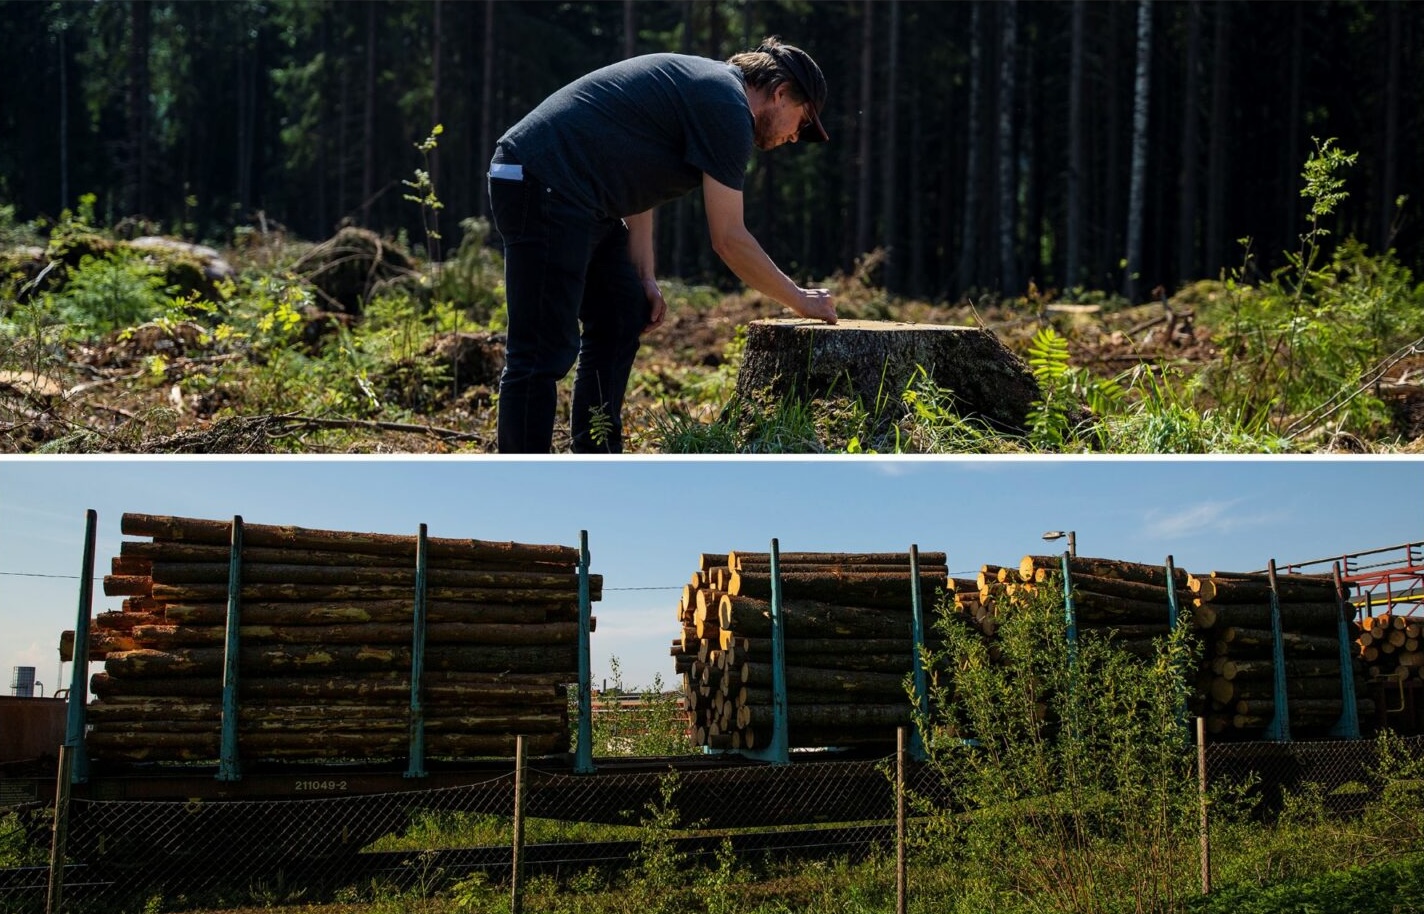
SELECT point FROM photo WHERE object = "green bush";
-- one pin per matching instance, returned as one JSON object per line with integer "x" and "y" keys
{"x": 1067, "y": 768}
{"x": 108, "y": 293}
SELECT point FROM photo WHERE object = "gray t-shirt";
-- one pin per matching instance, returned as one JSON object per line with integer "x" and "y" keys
{"x": 638, "y": 133}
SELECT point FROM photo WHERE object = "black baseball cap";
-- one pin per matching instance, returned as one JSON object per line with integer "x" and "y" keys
{"x": 809, "y": 80}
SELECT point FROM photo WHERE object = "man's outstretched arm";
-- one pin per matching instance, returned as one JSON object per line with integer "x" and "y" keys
{"x": 744, "y": 255}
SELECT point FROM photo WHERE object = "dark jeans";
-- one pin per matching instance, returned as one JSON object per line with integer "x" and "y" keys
{"x": 564, "y": 267}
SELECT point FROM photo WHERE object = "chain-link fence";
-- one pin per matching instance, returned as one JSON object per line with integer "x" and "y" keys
{"x": 132, "y": 854}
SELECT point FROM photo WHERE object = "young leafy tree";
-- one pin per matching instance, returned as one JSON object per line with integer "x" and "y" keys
{"x": 1067, "y": 766}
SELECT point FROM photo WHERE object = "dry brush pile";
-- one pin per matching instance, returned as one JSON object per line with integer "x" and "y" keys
{"x": 326, "y": 644}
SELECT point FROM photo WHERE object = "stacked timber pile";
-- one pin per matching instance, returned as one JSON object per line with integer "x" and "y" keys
{"x": 1233, "y": 612}
{"x": 326, "y": 644}
{"x": 1391, "y": 647}
{"x": 848, "y": 638}
{"x": 1125, "y": 600}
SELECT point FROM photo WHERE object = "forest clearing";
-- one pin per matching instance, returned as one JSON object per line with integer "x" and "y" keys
{"x": 356, "y": 345}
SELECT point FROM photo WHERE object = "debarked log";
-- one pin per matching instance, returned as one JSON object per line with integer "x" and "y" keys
{"x": 875, "y": 361}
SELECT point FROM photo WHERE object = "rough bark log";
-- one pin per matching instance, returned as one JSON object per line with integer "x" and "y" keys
{"x": 808, "y": 684}
{"x": 167, "y": 551}
{"x": 306, "y": 593}
{"x": 835, "y": 715}
{"x": 262, "y": 573}
{"x": 1298, "y": 616}
{"x": 217, "y": 532}
{"x": 874, "y": 361}
{"x": 474, "y": 688}
{"x": 738, "y": 561}
{"x": 751, "y": 617}
{"x": 166, "y": 636}
{"x": 1258, "y": 589}
{"x": 261, "y": 660}
{"x": 374, "y": 611}
{"x": 889, "y": 591}
{"x": 329, "y": 745}
{"x": 1155, "y": 575}
{"x": 1232, "y": 637}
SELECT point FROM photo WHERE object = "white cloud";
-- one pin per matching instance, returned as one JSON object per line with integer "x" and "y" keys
{"x": 1208, "y": 517}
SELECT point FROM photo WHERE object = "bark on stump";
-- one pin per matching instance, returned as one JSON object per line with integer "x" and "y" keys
{"x": 875, "y": 361}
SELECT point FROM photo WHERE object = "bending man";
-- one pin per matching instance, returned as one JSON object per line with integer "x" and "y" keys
{"x": 572, "y": 188}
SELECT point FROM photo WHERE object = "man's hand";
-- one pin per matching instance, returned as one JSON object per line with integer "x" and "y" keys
{"x": 815, "y": 303}
{"x": 657, "y": 308}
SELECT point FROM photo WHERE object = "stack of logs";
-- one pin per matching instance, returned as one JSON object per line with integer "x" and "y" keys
{"x": 325, "y": 647}
{"x": 1233, "y": 613}
{"x": 1126, "y": 599}
{"x": 847, "y": 628}
{"x": 1391, "y": 646}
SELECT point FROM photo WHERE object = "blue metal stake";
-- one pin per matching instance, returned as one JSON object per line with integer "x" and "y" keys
{"x": 229, "y": 768}
{"x": 917, "y": 632}
{"x": 583, "y": 756}
{"x": 1174, "y": 622}
{"x": 1279, "y": 727}
{"x": 778, "y": 750}
{"x": 1348, "y": 726}
{"x": 1070, "y": 615}
{"x": 416, "y": 768}
{"x": 77, "y": 719}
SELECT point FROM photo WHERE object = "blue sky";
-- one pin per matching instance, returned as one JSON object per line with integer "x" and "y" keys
{"x": 648, "y": 519}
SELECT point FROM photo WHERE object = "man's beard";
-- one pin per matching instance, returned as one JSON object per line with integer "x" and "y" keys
{"x": 761, "y": 132}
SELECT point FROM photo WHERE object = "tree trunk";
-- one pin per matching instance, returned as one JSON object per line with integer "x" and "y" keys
{"x": 140, "y": 32}
{"x": 266, "y": 660}
{"x": 875, "y": 361}
{"x": 368, "y": 144}
{"x": 889, "y": 154}
{"x": 890, "y": 591}
{"x": 1216, "y": 169}
{"x": 966, "y": 275}
{"x": 266, "y": 573}
{"x": 487, "y": 137}
{"x": 1187, "y": 269}
{"x": 865, "y": 168}
{"x": 739, "y": 561}
{"x": 1138, "y": 170}
{"x": 1007, "y": 183}
{"x": 513, "y": 688}
{"x": 1242, "y": 590}
{"x": 376, "y": 611}
{"x": 1231, "y": 638}
{"x": 1258, "y": 615}
{"x": 1389, "y": 151}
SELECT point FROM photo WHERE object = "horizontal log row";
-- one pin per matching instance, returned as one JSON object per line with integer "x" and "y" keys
{"x": 1237, "y": 680}
{"x": 847, "y": 637}
{"x": 325, "y": 644}
{"x": 1230, "y": 614}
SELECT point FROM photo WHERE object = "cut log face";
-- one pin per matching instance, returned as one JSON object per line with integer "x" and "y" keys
{"x": 875, "y": 361}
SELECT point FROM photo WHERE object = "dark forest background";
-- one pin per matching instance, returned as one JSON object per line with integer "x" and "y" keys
{"x": 982, "y": 146}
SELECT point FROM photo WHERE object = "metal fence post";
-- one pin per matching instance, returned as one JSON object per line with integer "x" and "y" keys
{"x": 583, "y": 752}
{"x": 516, "y": 875}
{"x": 60, "y": 835}
{"x": 917, "y": 627}
{"x": 416, "y": 766}
{"x": 1203, "y": 827}
{"x": 229, "y": 768}
{"x": 902, "y": 890}
{"x": 79, "y": 675}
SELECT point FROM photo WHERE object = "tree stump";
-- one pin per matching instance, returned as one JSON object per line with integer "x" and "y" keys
{"x": 874, "y": 361}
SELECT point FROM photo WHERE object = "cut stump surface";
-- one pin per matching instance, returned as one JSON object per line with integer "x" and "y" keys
{"x": 874, "y": 361}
